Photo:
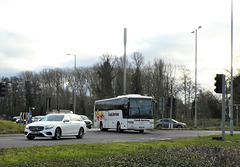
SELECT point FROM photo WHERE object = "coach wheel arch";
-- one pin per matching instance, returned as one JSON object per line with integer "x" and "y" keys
{"x": 119, "y": 127}
{"x": 101, "y": 126}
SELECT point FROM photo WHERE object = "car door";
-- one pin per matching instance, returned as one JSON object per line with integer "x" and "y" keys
{"x": 75, "y": 124}
{"x": 66, "y": 125}
{"x": 165, "y": 123}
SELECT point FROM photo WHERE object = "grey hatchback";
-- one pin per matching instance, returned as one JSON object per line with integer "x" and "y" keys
{"x": 167, "y": 123}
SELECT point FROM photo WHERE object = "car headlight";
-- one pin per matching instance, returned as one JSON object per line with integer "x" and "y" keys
{"x": 49, "y": 127}
{"x": 27, "y": 127}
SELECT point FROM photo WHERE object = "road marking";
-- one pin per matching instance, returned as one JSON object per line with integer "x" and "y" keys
{"x": 166, "y": 139}
{"x": 5, "y": 139}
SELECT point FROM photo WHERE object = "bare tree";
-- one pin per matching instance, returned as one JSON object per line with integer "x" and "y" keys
{"x": 187, "y": 89}
{"x": 138, "y": 59}
{"x": 136, "y": 77}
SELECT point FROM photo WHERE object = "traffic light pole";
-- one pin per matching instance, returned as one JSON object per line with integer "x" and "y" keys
{"x": 220, "y": 88}
{"x": 223, "y": 107}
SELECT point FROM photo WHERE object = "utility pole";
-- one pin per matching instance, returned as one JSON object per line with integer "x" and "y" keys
{"x": 195, "y": 99}
{"x": 124, "y": 73}
{"x": 74, "y": 86}
{"x": 231, "y": 91}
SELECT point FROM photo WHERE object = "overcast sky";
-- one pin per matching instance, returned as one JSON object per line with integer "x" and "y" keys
{"x": 37, "y": 34}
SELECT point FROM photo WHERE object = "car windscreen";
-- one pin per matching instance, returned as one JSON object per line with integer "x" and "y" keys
{"x": 84, "y": 117}
{"x": 53, "y": 118}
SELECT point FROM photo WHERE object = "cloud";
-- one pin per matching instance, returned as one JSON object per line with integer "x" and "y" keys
{"x": 16, "y": 51}
{"x": 173, "y": 48}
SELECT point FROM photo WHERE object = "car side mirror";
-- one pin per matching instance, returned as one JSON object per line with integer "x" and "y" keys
{"x": 66, "y": 120}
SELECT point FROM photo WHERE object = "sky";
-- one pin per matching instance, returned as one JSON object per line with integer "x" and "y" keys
{"x": 38, "y": 34}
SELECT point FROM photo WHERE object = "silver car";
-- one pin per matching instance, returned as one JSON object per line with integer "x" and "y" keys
{"x": 168, "y": 123}
{"x": 37, "y": 118}
{"x": 87, "y": 121}
{"x": 56, "y": 126}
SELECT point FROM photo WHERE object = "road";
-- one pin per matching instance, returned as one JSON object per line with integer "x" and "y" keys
{"x": 97, "y": 136}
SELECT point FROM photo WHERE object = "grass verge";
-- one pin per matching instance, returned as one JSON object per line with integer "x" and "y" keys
{"x": 9, "y": 127}
{"x": 202, "y": 151}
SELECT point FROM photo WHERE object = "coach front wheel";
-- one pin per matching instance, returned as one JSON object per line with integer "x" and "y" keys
{"x": 119, "y": 128}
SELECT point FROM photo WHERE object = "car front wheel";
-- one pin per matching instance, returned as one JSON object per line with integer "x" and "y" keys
{"x": 159, "y": 126}
{"x": 58, "y": 133}
{"x": 179, "y": 126}
{"x": 30, "y": 137}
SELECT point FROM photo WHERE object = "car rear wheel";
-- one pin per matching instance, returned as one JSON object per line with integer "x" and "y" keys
{"x": 58, "y": 134}
{"x": 80, "y": 133}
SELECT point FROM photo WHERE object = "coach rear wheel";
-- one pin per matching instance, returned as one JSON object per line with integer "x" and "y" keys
{"x": 101, "y": 127}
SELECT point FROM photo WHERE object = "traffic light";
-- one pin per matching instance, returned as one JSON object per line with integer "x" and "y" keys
{"x": 2, "y": 90}
{"x": 169, "y": 102}
{"x": 193, "y": 106}
{"x": 175, "y": 101}
{"x": 218, "y": 83}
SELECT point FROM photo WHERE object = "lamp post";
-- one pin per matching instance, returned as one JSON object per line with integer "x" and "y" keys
{"x": 231, "y": 89}
{"x": 74, "y": 87}
{"x": 124, "y": 72}
{"x": 195, "y": 108}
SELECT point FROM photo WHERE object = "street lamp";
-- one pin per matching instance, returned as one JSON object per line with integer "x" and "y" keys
{"x": 231, "y": 86}
{"x": 74, "y": 87}
{"x": 196, "y": 75}
{"x": 124, "y": 72}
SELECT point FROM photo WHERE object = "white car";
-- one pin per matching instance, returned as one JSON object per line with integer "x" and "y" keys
{"x": 57, "y": 125}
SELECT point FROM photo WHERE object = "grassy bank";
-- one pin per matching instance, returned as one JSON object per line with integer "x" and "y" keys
{"x": 200, "y": 151}
{"x": 9, "y": 127}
